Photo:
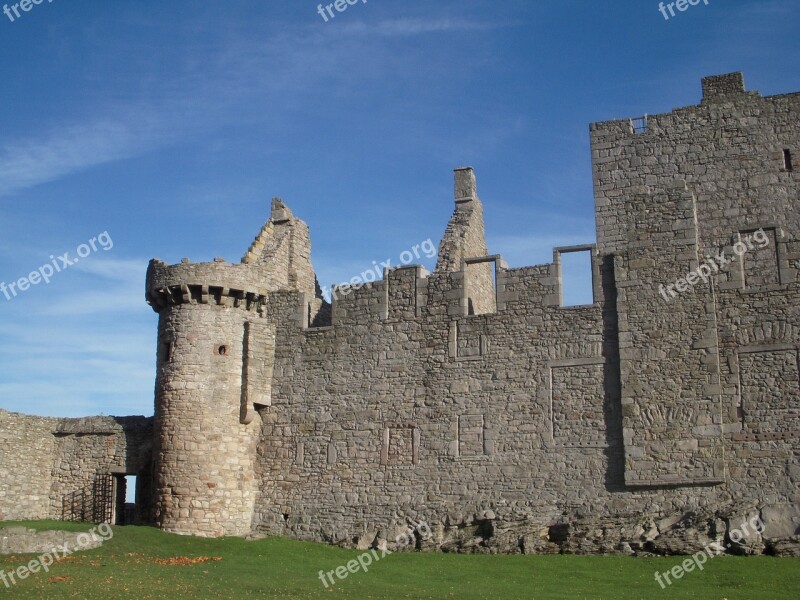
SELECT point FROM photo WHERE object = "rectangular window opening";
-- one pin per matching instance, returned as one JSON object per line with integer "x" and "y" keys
{"x": 576, "y": 278}
{"x": 318, "y": 314}
{"x": 480, "y": 285}
{"x": 787, "y": 160}
{"x": 639, "y": 125}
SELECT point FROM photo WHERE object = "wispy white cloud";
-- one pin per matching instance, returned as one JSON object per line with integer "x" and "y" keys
{"x": 112, "y": 286}
{"x": 407, "y": 26}
{"x": 119, "y": 269}
{"x": 766, "y": 8}
{"x": 100, "y": 301}
{"x": 196, "y": 97}
{"x": 50, "y": 155}
{"x": 143, "y": 124}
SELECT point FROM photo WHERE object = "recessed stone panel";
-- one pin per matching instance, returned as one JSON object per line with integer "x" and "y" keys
{"x": 471, "y": 435}
{"x": 577, "y": 405}
{"x": 770, "y": 383}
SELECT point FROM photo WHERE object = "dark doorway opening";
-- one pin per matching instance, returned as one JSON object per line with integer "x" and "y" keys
{"x": 125, "y": 504}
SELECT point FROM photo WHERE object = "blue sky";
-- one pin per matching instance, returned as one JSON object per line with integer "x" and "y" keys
{"x": 170, "y": 125}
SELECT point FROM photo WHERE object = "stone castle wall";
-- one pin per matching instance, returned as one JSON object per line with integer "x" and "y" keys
{"x": 89, "y": 452}
{"x": 411, "y": 406}
{"x": 656, "y": 419}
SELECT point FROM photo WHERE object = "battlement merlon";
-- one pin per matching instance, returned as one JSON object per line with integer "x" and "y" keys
{"x": 717, "y": 88}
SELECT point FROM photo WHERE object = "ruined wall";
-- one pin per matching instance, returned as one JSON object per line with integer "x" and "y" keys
{"x": 50, "y": 465}
{"x": 409, "y": 408}
{"x": 92, "y": 449}
{"x": 282, "y": 252}
{"x": 386, "y": 417}
{"x": 464, "y": 236}
{"x": 652, "y": 420}
{"x": 27, "y": 451}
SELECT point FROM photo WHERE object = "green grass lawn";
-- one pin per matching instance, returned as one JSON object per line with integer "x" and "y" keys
{"x": 135, "y": 564}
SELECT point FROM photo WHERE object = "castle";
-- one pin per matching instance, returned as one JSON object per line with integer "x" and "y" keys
{"x": 655, "y": 419}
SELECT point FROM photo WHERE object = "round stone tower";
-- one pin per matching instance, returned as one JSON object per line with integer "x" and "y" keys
{"x": 214, "y": 371}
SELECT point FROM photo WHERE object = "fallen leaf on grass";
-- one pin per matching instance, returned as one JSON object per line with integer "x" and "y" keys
{"x": 59, "y": 579}
{"x": 182, "y": 561}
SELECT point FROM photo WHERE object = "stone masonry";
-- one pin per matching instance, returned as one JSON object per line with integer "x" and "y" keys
{"x": 65, "y": 468}
{"x": 655, "y": 420}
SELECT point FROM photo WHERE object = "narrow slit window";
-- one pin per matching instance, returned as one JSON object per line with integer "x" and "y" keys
{"x": 787, "y": 160}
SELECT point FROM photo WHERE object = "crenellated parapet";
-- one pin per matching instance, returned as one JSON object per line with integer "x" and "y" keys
{"x": 217, "y": 283}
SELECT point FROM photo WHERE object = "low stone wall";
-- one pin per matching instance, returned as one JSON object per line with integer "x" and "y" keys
{"x": 21, "y": 540}
{"x": 27, "y": 450}
{"x": 44, "y": 461}
{"x": 90, "y": 446}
